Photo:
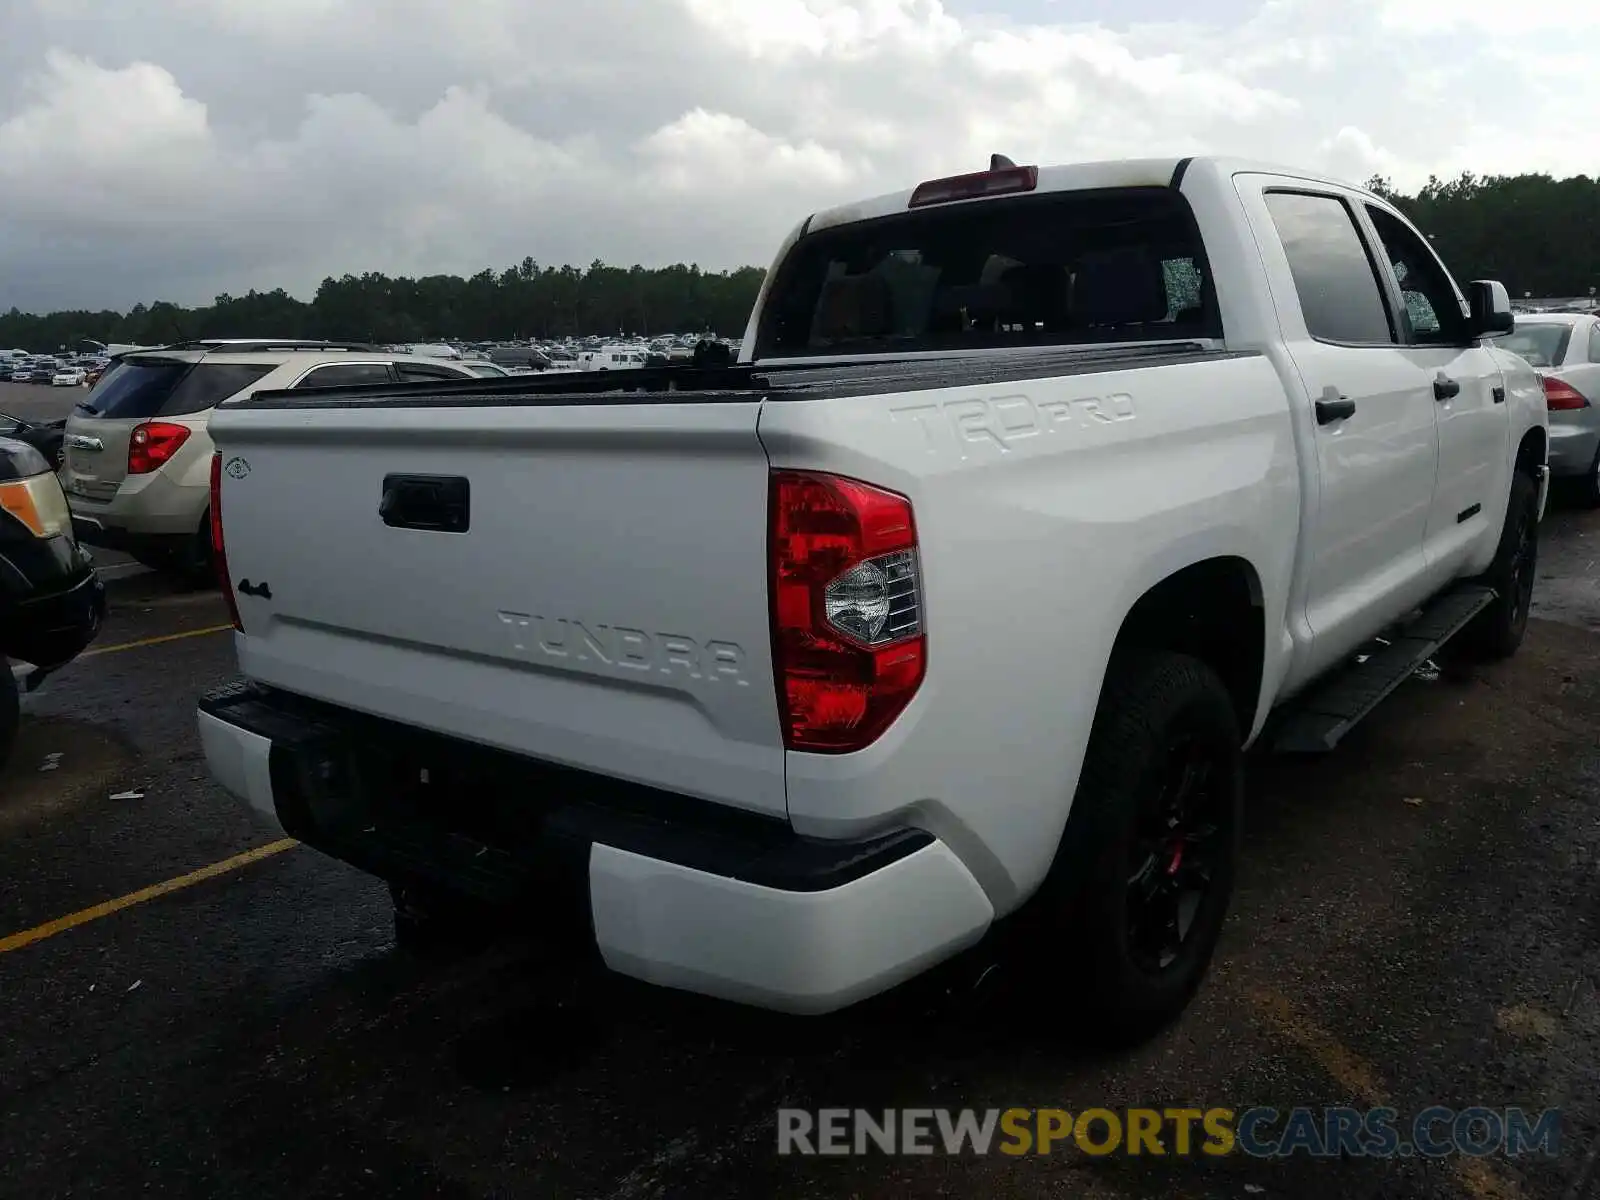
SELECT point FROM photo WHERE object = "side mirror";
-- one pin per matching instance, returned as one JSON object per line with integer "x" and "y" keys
{"x": 1490, "y": 306}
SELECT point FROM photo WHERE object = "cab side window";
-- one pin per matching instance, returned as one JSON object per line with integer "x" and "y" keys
{"x": 1433, "y": 310}
{"x": 1334, "y": 276}
{"x": 1594, "y": 343}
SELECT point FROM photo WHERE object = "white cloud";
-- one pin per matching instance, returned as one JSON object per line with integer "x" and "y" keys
{"x": 79, "y": 109}
{"x": 1488, "y": 17}
{"x": 703, "y": 151}
{"x": 1352, "y": 154}
{"x": 176, "y": 148}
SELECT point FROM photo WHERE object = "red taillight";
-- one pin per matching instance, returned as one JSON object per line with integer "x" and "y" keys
{"x": 848, "y": 634}
{"x": 979, "y": 183}
{"x": 1560, "y": 396}
{"x": 152, "y": 444}
{"x": 219, "y": 556}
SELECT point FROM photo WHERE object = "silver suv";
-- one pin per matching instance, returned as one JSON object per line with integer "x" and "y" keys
{"x": 137, "y": 469}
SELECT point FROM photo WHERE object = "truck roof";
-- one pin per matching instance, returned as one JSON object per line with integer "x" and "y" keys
{"x": 1108, "y": 173}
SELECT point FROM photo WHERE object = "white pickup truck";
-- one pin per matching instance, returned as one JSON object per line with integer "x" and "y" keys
{"x": 1036, "y": 496}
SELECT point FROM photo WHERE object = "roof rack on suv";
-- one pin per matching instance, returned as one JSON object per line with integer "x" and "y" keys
{"x": 255, "y": 344}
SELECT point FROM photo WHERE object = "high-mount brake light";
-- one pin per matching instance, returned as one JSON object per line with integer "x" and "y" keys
{"x": 1560, "y": 396}
{"x": 219, "y": 553}
{"x": 1001, "y": 182}
{"x": 848, "y": 631}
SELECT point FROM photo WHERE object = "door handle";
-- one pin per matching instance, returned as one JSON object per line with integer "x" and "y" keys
{"x": 1445, "y": 388}
{"x": 1334, "y": 406}
{"x": 1499, "y": 394}
{"x": 437, "y": 503}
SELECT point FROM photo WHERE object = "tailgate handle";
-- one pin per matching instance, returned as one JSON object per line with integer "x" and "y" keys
{"x": 439, "y": 503}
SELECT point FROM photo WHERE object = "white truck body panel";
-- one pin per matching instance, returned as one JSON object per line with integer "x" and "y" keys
{"x": 1020, "y": 491}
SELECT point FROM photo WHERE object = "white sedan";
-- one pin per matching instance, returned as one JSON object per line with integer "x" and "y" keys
{"x": 68, "y": 377}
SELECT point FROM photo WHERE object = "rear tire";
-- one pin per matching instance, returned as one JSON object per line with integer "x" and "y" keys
{"x": 1141, "y": 885}
{"x": 1498, "y": 630}
{"x": 1589, "y": 486}
{"x": 196, "y": 567}
{"x": 10, "y": 714}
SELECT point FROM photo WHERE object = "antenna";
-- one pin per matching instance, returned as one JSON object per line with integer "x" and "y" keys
{"x": 999, "y": 162}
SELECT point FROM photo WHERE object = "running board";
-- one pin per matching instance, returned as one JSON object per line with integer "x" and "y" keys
{"x": 1316, "y": 723}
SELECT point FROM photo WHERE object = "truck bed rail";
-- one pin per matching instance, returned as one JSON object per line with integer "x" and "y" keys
{"x": 743, "y": 383}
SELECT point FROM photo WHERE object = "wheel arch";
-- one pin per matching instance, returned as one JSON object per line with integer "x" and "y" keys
{"x": 1532, "y": 452}
{"x": 1212, "y": 610}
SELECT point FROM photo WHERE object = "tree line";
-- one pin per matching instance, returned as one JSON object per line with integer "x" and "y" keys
{"x": 520, "y": 302}
{"x": 1537, "y": 234}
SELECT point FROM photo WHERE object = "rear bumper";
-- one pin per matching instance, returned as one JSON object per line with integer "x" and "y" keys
{"x": 148, "y": 510}
{"x": 672, "y": 891}
{"x": 1573, "y": 448}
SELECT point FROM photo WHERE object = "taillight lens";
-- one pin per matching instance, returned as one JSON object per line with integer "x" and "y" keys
{"x": 152, "y": 444}
{"x": 219, "y": 555}
{"x": 849, "y": 639}
{"x": 1560, "y": 396}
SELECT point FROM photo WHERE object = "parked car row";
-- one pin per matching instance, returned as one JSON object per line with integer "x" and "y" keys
{"x": 538, "y": 355}
{"x": 16, "y": 367}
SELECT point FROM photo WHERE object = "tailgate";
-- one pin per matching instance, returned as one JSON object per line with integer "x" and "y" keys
{"x": 96, "y": 456}
{"x": 605, "y": 606}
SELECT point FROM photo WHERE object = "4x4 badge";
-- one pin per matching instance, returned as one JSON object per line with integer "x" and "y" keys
{"x": 237, "y": 468}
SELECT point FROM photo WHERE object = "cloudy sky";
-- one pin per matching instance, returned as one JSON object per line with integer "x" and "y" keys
{"x": 174, "y": 149}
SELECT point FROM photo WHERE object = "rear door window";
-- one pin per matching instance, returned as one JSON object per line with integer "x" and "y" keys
{"x": 346, "y": 375}
{"x": 209, "y": 384}
{"x": 1061, "y": 268}
{"x": 416, "y": 372}
{"x": 1334, "y": 276}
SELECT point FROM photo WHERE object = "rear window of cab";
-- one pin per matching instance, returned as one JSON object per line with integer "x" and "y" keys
{"x": 1062, "y": 268}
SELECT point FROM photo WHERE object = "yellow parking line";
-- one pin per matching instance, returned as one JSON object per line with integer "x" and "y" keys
{"x": 1344, "y": 1067}
{"x": 104, "y": 909}
{"x": 155, "y": 641}
{"x": 1350, "y": 1071}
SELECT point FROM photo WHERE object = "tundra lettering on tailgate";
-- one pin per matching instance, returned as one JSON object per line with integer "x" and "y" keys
{"x": 616, "y": 649}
